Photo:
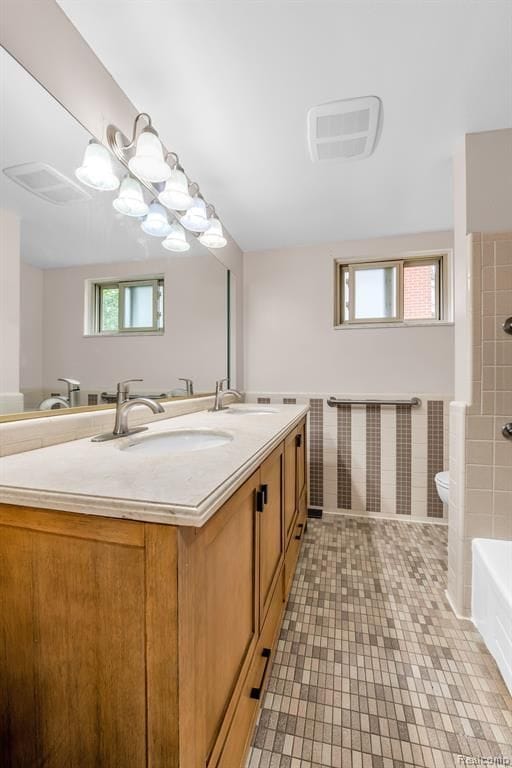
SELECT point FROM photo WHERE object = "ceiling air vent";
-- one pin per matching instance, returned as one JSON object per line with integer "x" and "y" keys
{"x": 44, "y": 181}
{"x": 344, "y": 130}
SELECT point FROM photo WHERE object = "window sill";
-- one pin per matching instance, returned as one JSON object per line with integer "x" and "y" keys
{"x": 382, "y": 326}
{"x": 122, "y": 335}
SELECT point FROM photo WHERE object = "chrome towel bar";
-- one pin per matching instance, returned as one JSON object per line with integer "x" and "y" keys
{"x": 414, "y": 402}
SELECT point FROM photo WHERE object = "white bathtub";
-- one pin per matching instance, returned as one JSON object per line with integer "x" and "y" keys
{"x": 491, "y": 603}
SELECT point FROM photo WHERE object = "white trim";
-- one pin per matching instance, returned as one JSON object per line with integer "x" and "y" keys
{"x": 124, "y": 334}
{"x": 405, "y": 324}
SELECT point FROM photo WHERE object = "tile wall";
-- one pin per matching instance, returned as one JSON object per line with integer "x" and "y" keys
{"x": 480, "y": 457}
{"x": 374, "y": 460}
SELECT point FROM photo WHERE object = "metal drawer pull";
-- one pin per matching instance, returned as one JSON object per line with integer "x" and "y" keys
{"x": 507, "y": 430}
{"x": 299, "y": 535}
{"x": 256, "y": 692}
{"x": 259, "y": 501}
{"x": 264, "y": 490}
{"x": 298, "y": 441}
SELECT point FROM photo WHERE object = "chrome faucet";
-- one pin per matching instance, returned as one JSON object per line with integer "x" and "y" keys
{"x": 220, "y": 394}
{"x": 189, "y": 386}
{"x": 61, "y": 401}
{"x": 123, "y": 407}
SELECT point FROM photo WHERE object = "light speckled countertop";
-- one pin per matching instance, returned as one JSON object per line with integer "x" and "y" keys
{"x": 177, "y": 489}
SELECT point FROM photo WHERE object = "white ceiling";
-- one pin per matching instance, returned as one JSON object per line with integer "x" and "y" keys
{"x": 229, "y": 85}
{"x": 36, "y": 128}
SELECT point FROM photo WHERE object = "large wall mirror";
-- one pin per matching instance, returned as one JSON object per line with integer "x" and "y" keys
{"x": 86, "y": 294}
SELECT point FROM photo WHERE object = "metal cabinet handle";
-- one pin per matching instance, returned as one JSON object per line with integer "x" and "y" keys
{"x": 298, "y": 440}
{"x": 259, "y": 501}
{"x": 299, "y": 535}
{"x": 507, "y": 430}
{"x": 256, "y": 692}
{"x": 264, "y": 490}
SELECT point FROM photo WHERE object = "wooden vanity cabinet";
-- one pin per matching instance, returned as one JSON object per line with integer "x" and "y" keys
{"x": 129, "y": 643}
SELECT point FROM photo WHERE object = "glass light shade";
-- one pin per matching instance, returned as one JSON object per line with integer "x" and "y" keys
{"x": 196, "y": 219}
{"x": 148, "y": 162}
{"x": 214, "y": 236}
{"x": 130, "y": 200}
{"x": 176, "y": 240}
{"x": 156, "y": 222}
{"x": 175, "y": 194}
{"x": 96, "y": 170}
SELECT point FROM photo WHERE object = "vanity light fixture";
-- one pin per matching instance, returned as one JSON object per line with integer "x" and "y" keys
{"x": 196, "y": 218}
{"x": 96, "y": 170}
{"x": 176, "y": 240}
{"x": 148, "y": 162}
{"x": 175, "y": 194}
{"x": 214, "y": 236}
{"x": 130, "y": 200}
{"x": 156, "y": 222}
{"x": 150, "y": 165}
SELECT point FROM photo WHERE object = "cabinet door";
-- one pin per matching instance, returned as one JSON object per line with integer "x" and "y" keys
{"x": 290, "y": 483}
{"x": 301, "y": 459}
{"x": 229, "y": 564}
{"x": 271, "y": 527}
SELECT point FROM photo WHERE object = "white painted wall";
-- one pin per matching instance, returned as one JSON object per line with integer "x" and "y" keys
{"x": 31, "y": 331}
{"x": 10, "y": 398}
{"x": 193, "y": 344}
{"x": 291, "y": 345}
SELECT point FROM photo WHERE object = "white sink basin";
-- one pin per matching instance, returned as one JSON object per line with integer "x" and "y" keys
{"x": 177, "y": 441}
{"x": 254, "y": 411}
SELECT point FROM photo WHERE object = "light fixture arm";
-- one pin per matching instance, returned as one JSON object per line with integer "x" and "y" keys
{"x": 149, "y": 128}
{"x": 121, "y": 146}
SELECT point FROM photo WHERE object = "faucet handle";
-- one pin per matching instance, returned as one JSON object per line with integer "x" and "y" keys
{"x": 123, "y": 386}
{"x": 220, "y": 383}
{"x": 73, "y": 384}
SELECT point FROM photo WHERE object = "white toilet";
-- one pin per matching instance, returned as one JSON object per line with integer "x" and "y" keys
{"x": 442, "y": 480}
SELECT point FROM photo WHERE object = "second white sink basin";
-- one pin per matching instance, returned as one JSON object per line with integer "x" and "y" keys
{"x": 177, "y": 441}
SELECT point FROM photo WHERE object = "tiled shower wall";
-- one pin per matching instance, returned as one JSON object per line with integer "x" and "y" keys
{"x": 481, "y": 458}
{"x": 374, "y": 459}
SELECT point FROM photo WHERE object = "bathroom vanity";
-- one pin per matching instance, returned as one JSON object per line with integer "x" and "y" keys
{"x": 142, "y": 596}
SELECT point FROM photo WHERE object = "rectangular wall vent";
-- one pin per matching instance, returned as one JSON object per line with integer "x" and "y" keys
{"x": 46, "y": 182}
{"x": 345, "y": 129}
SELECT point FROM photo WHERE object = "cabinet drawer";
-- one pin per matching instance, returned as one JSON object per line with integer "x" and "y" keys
{"x": 241, "y": 728}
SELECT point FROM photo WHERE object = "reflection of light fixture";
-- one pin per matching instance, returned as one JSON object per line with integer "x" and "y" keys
{"x": 130, "y": 200}
{"x": 156, "y": 222}
{"x": 175, "y": 194}
{"x": 196, "y": 218}
{"x": 214, "y": 236}
{"x": 96, "y": 170}
{"x": 148, "y": 162}
{"x": 176, "y": 240}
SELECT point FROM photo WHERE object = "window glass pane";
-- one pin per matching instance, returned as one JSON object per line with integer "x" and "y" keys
{"x": 420, "y": 291}
{"x": 109, "y": 308}
{"x": 138, "y": 306}
{"x": 375, "y": 293}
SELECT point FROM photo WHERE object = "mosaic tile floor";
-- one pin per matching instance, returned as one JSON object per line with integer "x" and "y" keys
{"x": 373, "y": 670}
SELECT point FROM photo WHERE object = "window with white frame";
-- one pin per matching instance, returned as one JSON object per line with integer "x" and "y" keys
{"x": 399, "y": 291}
{"x": 127, "y": 306}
